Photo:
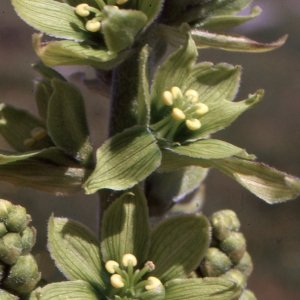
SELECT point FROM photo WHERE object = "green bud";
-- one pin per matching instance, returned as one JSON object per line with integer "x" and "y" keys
{"x": 28, "y": 237}
{"x": 245, "y": 265}
{"x": 10, "y": 248}
{"x": 2, "y": 268}
{"x": 247, "y": 295}
{"x": 234, "y": 246}
{"x": 4, "y": 295}
{"x": 3, "y": 229}
{"x": 17, "y": 219}
{"x": 236, "y": 276}
{"x": 23, "y": 275}
{"x": 215, "y": 263}
{"x": 5, "y": 208}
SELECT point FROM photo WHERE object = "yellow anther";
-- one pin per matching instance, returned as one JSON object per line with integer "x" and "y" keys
{"x": 150, "y": 265}
{"x": 202, "y": 109}
{"x": 192, "y": 95}
{"x": 81, "y": 10}
{"x": 38, "y": 133}
{"x": 129, "y": 257}
{"x": 167, "y": 98}
{"x": 116, "y": 281}
{"x": 178, "y": 114}
{"x": 29, "y": 142}
{"x": 109, "y": 266}
{"x": 176, "y": 92}
{"x": 155, "y": 282}
{"x": 93, "y": 25}
{"x": 193, "y": 124}
{"x": 120, "y": 2}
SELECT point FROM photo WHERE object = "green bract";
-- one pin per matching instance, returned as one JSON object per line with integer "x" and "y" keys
{"x": 165, "y": 256}
{"x": 95, "y": 32}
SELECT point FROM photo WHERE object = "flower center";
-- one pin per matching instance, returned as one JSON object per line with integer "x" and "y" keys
{"x": 127, "y": 281}
{"x": 94, "y": 24}
{"x": 185, "y": 109}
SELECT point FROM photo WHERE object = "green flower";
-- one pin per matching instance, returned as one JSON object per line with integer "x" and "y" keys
{"x": 94, "y": 32}
{"x": 132, "y": 261}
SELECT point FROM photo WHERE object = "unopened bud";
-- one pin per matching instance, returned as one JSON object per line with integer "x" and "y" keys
{"x": 28, "y": 237}
{"x": 245, "y": 265}
{"x": 3, "y": 229}
{"x": 5, "y": 208}
{"x": 10, "y": 248}
{"x": 236, "y": 276}
{"x": 17, "y": 219}
{"x": 247, "y": 295}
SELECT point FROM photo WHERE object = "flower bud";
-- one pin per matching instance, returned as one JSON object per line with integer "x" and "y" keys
{"x": 3, "y": 229}
{"x": 5, "y": 208}
{"x": 247, "y": 295}
{"x": 17, "y": 219}
{"x": 23, "y": 275}
{"x": 4, "y": 295}
{"x": 234, "y": 246}
{"x": 2, "y": 270}
{"x": 245, "y": 265}
{"x": 10, "y": 248}
{"x": 28, "y": 237}
{"x": 236, "y": 276}
{"x": 215, "y": 263}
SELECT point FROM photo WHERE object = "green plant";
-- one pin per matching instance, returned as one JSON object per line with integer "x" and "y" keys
{"x": 159, "y": 146}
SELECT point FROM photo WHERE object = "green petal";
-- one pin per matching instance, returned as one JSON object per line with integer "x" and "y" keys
{"x": 16, "y": 126}
{"x": 65, "y": 52}
{"x": 49, "y": 170}
{"x": 266, "y": 183}
{"x": 210, "y": 149}
{"x": 173, "y": 72}
{"x": 143, "y": 88}
{"x": 150, "y": 10}
{"x": 125, "y": 228}
{"x": 124, "y": 160}
{"x": 178, "y": 245}
{"x": 76, "y": 252}
{"x": 164, "y": 189}
{"x": 67, "y": 123}
{"x": 51, "y": 17}
{"x": 226, "y": 21}
{"x": 72, "y": 290}
{"x": 220, "y": 115}
{"x": 120, "y": 27}
{"x": 202, "y": 288}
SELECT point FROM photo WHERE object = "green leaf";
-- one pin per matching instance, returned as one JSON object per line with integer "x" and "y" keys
{"x": 227, "y": 21}
{"x": 52, "y": 17}
{"x": 143, "y": 88}
{"x": 43, "y": 92}
{"x": 16, "y": 127}
{"x": 173, "y": 72}
{"x": 72, "y": 290}
{"x": 220, "y": 115}
{"x": 46, "y": 72}
{"x": 125, "y": 228}
{"x": 49, "y": 170}
{"x": 67, "y": 123}
{"x": 164, "y": 189}
{"x": 178, "y": 245}
{"x": 120, "y": 27}
{"x": 202, "y": 288}
{"x": 265, "y": 182}
{"x": 76, "y": 252}
{"x": 151, "y": 10}
{"x": 65, "y": 52}
{"x": 210, "y": 149}
{"x": 124, "y": 160}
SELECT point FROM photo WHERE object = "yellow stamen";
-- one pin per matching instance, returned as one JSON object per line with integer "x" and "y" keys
{"x": 155, "y": 282}
{"x": 109, "y": 266}
{"x": 38, "y": 133}
{"x": 93, "y": 25}
{"x": 193, "y": 124}
{"x": 81, "y": 10}
{"x": 192, "y": 95}
{"x": 116, "y": 281}
{"x": 178, "y": 114}
{"x": 167, "y": 98}
{"x": 29, "y": 142}
{"x": 176, "y": 92}
{"x": 202, "y": 109}
{"x": 129, "y": 257}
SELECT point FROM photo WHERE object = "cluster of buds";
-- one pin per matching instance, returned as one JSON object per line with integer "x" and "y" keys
{"x": 94, "y": 15}
{"x": 18, "y": 269}
{"x": 185, "y": 109}
{"x": 129, "y": 282}
{"x": 227, "y": 255}
{"x": 37, "y": 134}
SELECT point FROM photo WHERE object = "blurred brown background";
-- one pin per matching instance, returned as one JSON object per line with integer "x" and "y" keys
{"x": 271, "y": 131}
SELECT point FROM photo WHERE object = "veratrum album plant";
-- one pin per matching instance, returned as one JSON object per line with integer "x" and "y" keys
{"x": 159, "y": 149}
